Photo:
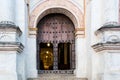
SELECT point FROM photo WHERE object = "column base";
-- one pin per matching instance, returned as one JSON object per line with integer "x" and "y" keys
{"x": 80, "y": 75}
{"x": 111, "y": 76}
{"x": 7, "y": 76}
{"x": 8, "y": 65}
{"x": 33, "y": 74}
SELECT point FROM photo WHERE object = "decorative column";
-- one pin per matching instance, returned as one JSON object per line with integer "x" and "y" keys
{"x": 109, "y": 47}
{"x": 9, "y": 47}
{"x": 10, "y": 42}
{"x": 108, "y": 41}
{"x": 110, "y": 11}
{"x": 80, "y": 52}
{"x": 31, "y": 54}
{"x": 21, "y": 21}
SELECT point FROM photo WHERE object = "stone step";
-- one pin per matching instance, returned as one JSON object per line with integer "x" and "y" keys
{"x": 57, "y": 77}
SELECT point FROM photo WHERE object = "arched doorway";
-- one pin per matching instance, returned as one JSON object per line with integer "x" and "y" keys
{"x": 55, "y": 36}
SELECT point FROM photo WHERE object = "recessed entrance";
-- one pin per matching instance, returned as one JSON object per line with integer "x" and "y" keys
{"x": 55, "y": 44}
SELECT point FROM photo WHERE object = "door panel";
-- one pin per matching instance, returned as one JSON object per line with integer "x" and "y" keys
{"x": 64, "y": 56}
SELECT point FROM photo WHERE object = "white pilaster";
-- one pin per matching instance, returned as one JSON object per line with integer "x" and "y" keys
{"x": 7, "y": 12}
{"x": 81, "y": 59}
{"x": 31, "y": 57}
{"x": 8, "y": 62}
{"x": 21, "y": 21}
{"x": 111, "y": 11}
{"x": 112, "y": 65}
{"x": 21, "y": 14}
{"x": 8, "y": 65}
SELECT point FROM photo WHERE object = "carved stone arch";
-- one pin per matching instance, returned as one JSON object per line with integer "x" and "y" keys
{"x": 56, "y": 6}
{"x": 57, "y": 10}
{"x": 69, "y": 9}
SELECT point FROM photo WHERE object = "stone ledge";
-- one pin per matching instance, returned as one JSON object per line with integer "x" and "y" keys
{"x": 57, "y": 77}
{"x": 55, "y": 71}
{"x": 7, "y": 23}
{"x": 108, "y": 27}
{"x": 11, "y": 46}
{"x": 8, "y": 26}
{"x": 11, "y": 29}
{"x": 106, "y": 46}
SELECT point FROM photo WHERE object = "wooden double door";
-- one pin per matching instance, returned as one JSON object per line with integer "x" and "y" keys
{"x": 55, "y": 43}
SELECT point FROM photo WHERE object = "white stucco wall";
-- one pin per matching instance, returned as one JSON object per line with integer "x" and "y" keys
{"x": 21, "y": 20}
{"x": 7, "y": 10}
{"x": 79, "y": 3}
{"x": 81, "y": 57}
{"x": 88, "y": 40}
{"x": 31, "y": 69}
{"x": 34, "y": 3}
{"x": 110, "y": 11}
{"x": 96, "y": 22}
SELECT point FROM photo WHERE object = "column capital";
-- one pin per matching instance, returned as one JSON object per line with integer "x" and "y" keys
{"x": 80, "y": 32}
{"x": 33, "y": 30}
{"x": 109, "y": 40}
{"x": 7, "y": 26}
{"x": 108, "y": 27}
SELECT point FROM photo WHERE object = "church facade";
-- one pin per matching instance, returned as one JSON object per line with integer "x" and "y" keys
{"x": 78, "y": 38}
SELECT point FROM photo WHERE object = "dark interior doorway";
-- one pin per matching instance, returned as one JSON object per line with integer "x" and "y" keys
{"x": 64, "y": 56}
{"x": 46, "y": 56}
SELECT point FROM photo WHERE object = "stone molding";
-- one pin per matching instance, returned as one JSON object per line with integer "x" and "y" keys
{"x": 70, "y": 9}
{"x": 56, "y": 71}
{"x": 10, "y": 37}
{"x": 10, "y": 27}
{"x": 111, "y": 38}
{"x": 106, "y": 46}
{"x": 32, "y": 31}
{"x": 11, "y": 46}
{"x": 7, "y": 22}
{"x": 80, "y": 32}
{"x": 108, "y": 27}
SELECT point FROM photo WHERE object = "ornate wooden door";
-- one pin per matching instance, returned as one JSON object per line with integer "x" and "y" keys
{"x": 58, "y": 30}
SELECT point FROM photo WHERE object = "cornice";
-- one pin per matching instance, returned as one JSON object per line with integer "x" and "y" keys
{"x": 11, "y": 46}
{"x": 32, "y": 31}
{"x": 106, "y": 46}
{"x": 108, "y": 27}
{"x": 80, "y": 32}
{"x": 10, "y": 27}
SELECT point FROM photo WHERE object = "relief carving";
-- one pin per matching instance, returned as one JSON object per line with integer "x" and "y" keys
{"x": 4, "y": 38}
{"x": 113, "y": 38}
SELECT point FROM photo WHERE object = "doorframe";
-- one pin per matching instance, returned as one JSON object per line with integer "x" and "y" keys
{"x": 55, "y": 44}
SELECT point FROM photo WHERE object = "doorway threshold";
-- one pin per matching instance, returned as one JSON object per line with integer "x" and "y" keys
{"x": 56, "y": 71}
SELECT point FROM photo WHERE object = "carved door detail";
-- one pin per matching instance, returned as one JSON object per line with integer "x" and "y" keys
{"x": 57, "y": 29}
